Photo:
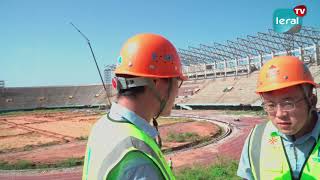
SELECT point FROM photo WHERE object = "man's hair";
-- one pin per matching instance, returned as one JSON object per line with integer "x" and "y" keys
{"x": 309, "y": 93}
{"x": 132, "y": 92}
{"x": 308, "y": 89}
{"x": 135, "y": 91}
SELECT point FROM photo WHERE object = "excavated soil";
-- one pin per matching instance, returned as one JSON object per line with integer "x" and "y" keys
{"x": 49, "y": 137}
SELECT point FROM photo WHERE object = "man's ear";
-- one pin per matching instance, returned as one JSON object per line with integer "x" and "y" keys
{"x": 314, "y": 100}
{"x": 156, "y": 83}
{"x": 161, "y": 86}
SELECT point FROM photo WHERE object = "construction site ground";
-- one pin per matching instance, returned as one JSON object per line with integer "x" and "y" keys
{"x": 53, "y": 136}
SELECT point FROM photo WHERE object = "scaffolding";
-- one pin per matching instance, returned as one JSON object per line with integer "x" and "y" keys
{"x": 2, "y": 86}
{"x": 245, "y": 55}
{"x": 108, "y": 75}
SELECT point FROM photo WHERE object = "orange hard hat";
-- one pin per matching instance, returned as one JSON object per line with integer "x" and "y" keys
{"x": 149, "y": 55}
{"x": 281, "y": 72}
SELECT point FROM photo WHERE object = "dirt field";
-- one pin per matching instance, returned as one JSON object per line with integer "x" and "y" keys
{"x": 51, "y": 136}
{"x": 229, "y": 147}
{"x": 44, "y": 127}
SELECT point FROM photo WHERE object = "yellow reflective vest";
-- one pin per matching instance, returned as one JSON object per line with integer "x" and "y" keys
{"x": 268, "y": 158}
{"x": 110, "y": 141}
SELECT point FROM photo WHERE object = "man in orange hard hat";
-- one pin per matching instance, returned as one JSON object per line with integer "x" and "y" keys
{"x": 122, "y": 144}
{"x": 288, "y": 146}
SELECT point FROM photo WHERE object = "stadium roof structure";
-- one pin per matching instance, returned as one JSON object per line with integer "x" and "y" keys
{"x": 263, "y": 44}
{"x": 109, "y": 73}
{"x": 244, "y": 55}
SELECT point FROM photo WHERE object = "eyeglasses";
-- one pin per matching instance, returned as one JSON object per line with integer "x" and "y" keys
{"x": 285, "y": 105}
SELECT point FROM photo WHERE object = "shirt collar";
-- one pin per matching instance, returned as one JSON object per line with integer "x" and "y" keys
{"x": 121, "y": 113}
{"x": 313, "y": 134}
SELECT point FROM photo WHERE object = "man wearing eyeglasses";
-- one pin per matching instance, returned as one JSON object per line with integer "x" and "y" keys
{"x": 288, "y": 146}
{"x": 122, "y": 144}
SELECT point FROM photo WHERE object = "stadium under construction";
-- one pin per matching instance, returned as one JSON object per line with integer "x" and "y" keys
{"x": 221, "y": 75}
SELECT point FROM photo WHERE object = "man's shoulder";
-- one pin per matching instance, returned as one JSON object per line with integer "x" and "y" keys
{"x": 264, "y": 123}
{"x": 106, "y": 125}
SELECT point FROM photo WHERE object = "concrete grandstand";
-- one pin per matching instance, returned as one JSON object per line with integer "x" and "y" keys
{"x": 220, "y": 74}
{"x": 231, "y": 69}
{"x": 24, "y": 98}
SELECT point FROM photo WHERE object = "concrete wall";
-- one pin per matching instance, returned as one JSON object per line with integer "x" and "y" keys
{"x": 51, "y": 97}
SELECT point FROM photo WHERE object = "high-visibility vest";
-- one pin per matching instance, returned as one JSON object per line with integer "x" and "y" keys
{"x": 110, "y": 141}
{"x": 269, "y": 160}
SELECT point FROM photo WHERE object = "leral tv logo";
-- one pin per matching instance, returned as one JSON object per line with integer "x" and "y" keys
{"x": 289, "y": 20}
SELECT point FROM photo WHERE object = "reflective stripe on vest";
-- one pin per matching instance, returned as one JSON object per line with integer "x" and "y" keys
{"x": 268, "y": 158}
{"x": 124, "y": 147}
{"x": 132, "y": 139}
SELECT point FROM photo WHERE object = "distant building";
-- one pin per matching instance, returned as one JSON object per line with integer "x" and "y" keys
{"x": 2, "y": 85}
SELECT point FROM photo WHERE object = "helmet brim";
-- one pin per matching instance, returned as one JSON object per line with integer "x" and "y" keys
{"x": 277, "y": 86}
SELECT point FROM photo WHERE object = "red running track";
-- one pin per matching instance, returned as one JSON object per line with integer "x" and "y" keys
{"x": 231, "y": 147}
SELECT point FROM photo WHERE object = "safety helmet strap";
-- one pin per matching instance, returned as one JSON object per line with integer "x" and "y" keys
{"x": 163, "y": 103}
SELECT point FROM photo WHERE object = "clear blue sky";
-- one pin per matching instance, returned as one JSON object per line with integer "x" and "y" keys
{"x": 39, "y": 47}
